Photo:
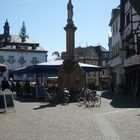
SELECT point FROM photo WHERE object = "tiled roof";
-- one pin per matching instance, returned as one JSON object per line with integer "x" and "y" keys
{"x": 115, "y": 13}
{"x": 88, "y": 51}
{"x": 100, "y": 48}
{"x": 16, "y": 38}
{"x": 27, "y": 45}
{"x": 29, "y": 48}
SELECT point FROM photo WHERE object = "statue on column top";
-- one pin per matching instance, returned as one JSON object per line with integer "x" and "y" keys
{"x": 70, "y": 12}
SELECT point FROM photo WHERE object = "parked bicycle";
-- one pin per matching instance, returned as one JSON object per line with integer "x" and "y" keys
{"x": 91, "y": 99}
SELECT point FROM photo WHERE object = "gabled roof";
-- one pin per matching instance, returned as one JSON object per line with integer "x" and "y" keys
{"x": 86, "y": 51}
{"x": 29, "y": 48}
{"x": 100, "y": 48}
{"x": 17, "y": 39}
{"x": 115, "y": 13}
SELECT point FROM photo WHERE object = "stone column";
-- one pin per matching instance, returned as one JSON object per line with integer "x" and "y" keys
{"x": 70, "y": 40}
{"x": 70, "y": 75}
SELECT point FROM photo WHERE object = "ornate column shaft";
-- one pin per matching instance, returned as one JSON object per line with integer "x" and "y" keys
{"x": 70, "y": 40}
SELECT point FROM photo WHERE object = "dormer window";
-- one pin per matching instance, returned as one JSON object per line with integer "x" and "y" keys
{"x": 18, "y": 47}
{"x": 33, "y": 47}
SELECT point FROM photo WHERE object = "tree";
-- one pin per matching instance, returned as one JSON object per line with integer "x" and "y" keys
{"x": 57, "y": 54}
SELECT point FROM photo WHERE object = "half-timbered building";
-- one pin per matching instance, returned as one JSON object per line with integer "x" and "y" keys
{"x": 130, "y": 34}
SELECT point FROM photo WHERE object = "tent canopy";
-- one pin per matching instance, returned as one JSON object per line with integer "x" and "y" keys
{"x": 53, "y": 67}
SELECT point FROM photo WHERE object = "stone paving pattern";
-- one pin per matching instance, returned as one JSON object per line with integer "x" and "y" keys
{"x": 118, "y": 118}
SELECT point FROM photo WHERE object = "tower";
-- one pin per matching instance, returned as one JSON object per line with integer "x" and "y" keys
{"x": 23, "y": 33}
{"x": 6, "y": 33}
{"x": 70, "y": 32}
{"x": 6, "y": 28}
{"x": 71, "y": 75}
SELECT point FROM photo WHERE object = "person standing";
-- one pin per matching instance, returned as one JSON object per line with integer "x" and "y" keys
{"x": 12, "y": 85}
{"x": 27, "y": 88}
{"x": 5, "y": 84}
{"x": 18, "y": 88}
{"x": 112, "y": 85}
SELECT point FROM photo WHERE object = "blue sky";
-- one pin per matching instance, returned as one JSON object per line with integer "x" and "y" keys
{"x": 45, "y": 20}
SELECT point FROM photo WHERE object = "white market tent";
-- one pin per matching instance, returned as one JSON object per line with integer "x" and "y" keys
{"x": 53, "y": 67}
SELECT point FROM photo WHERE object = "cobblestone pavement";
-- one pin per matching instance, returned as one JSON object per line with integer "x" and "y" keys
{"x": 118, "y": 118}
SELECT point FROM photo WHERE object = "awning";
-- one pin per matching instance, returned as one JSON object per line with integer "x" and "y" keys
{"x": 53, "y": 67}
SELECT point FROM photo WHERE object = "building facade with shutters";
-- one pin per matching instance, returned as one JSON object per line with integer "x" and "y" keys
{"x": 18, "y": 51}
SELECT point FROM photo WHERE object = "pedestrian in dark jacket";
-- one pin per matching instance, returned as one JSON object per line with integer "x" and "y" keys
{"x": 5, "y": 84}
{"x": 18, "y": 88}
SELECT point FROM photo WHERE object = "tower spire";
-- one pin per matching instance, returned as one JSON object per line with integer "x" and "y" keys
{"x": 23, "y": 33}
{"x": 6, "y": 28}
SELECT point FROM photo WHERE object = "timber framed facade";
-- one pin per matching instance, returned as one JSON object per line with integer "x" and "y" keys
{"x": 130, "y": 34}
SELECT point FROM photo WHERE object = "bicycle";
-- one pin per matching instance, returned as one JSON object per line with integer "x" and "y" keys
{"x": 91, "y": 99}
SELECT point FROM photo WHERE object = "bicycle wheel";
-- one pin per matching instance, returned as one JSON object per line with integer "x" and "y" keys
{"x": 89, "y": 103}
{"x": 97, "y": 100}
{"x": 86, "y": 103}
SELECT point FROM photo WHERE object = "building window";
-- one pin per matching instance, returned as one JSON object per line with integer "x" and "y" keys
{"x": 116, "y": 26}
{"x": 11, "y": 59}
{"x": 2, "y": 59}
{"x": 127, "y": 19}
{"x": 1, "y": 74}
{"x": 21, "y": 60}
{"x": 138, "y": 46}
{"x": 113, "y": 30}
{"x": 129, "y": 47}
{"x": 34, "y": 60}
{"x": 130, "y": 43}
{"x": 103, "y": 63}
